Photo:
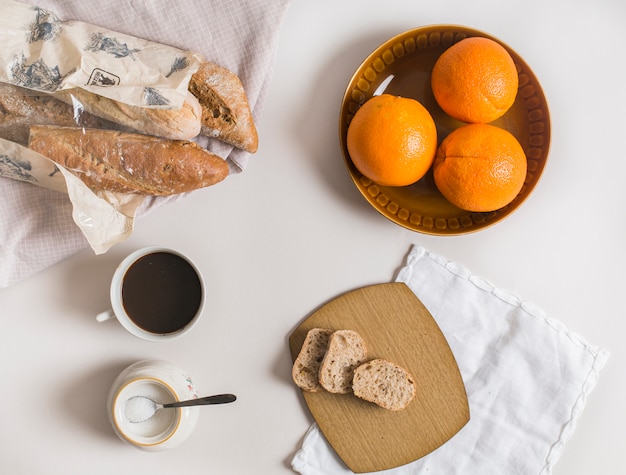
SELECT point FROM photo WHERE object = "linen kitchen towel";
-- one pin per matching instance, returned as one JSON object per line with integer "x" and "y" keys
{"x": 36, "y": 225}
{"x": 527, "y": 378}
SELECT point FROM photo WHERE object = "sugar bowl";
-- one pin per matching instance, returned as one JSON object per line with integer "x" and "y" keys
{"x": 159, "y": 381}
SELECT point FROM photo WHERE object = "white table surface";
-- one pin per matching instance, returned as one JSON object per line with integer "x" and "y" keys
{"x": 292, "y": 232}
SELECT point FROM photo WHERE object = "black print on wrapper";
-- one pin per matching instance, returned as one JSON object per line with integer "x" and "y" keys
{"x": 100, "y": 77}
{"x": 46, "y": 27}
{"x": 179, "y": 64}
{"x": 37, "y": 75}
{"x": 152, "y": 97}
{"x": 16, "y": 169}
{"x": 109, "y": 45}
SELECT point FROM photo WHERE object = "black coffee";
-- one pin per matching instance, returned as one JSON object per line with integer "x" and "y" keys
{"x": 161, "y": 292}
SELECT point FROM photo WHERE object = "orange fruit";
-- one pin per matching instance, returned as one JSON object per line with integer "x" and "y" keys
{"x": 392, "y": 140}
{"x": 480, "y": 167}
{"x": 475, "y": 80}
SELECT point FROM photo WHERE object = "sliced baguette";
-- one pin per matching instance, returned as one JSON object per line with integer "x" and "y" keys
{"x": 384, "y": 383}
{"x": 306, "y": 367}
{"x": 131, "y": 163}
{"x": 226, "y": 113}
{"x": 346, "y": 350}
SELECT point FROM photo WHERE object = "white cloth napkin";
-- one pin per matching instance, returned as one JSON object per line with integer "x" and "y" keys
{"x": 36, "y": 226}
{"x": 527, "y": 378}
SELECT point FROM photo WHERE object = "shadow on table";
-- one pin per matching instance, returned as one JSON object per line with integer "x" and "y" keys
{"x": 318, "y": 127}
{"x": 88, "y": 282}
{"x": 85, "y": 398}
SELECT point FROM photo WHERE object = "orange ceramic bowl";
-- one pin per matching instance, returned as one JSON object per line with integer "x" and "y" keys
{"x": 402, "y": 66}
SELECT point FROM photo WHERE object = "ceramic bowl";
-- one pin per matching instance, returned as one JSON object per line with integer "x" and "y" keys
{"x": 163, "y": 383}
{"x": 402, "y": 66}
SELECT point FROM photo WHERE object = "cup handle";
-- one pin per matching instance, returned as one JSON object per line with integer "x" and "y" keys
{"x": 104, "y": 316}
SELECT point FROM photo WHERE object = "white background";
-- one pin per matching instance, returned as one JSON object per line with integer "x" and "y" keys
{"x": 292, "y": 232}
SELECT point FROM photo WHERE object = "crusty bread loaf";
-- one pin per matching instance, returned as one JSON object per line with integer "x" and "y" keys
{"x": 20, "y": 108}
{"x": 132, "y": 163}
{"x": 226, "y": 113}
{"x": 177, "y": 124}
{"x": 346, "y": 350}
{"x": 306, "y": 367}
{"x": 384, "y": 383}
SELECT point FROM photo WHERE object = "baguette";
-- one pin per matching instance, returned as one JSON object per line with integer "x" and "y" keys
{"x": 226, "y": 113}
{"x": 177, "y": 124}
{"x": 127, "y": 162}
{"x": 346, "y": 350}
{"x": 306, "y": 367}
{"x": 384, "y": 383}
{"x": 19, "y": 109}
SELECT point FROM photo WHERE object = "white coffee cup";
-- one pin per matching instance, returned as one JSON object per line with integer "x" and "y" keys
{"x": 156, "y": 294}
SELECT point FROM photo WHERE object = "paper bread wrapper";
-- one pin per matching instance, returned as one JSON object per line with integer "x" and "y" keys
{"x": 105, "y": 218}
{"x": 41, "y": 52}
{"x": 45, "y": 54}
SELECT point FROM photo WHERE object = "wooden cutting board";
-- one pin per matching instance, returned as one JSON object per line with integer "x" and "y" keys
{"x": 396, "y": 326}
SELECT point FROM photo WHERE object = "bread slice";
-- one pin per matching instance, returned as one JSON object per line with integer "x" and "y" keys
{"x": 306, "y": 367}
{"x": 346, "y": 350}
{"x": 384, "y": 383}
{"x": 226, "y": 114}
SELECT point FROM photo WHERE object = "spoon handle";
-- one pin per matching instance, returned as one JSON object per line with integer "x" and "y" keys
{"x": 202, "y": 401}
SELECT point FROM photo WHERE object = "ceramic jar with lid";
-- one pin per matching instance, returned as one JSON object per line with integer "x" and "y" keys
{"x": 163, "y": 383}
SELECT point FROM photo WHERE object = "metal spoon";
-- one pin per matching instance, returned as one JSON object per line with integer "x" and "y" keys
{"x": 141, "y": 408}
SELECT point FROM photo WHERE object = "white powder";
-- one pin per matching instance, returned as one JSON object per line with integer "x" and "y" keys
{"x": 138, "y": 409}
{"x": 157, "y": 426}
